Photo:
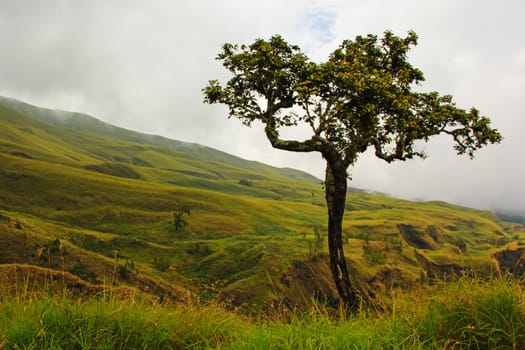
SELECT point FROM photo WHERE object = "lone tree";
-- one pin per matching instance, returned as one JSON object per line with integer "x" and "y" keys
{"x": 361, "y": 98}
{"x": 178, "y": 217}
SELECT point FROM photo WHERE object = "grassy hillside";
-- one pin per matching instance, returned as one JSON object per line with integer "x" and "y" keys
{"x": 190, "y": 151}
{"x": 99, "y": 206}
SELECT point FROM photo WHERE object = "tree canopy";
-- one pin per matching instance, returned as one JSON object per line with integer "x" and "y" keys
{"x": 361, "y": 97}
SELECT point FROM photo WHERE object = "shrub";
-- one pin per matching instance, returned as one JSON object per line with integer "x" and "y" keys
{"x": 246, "y": 183}
{"x": 162, "y": 264}
{"x": 373, "y": 255}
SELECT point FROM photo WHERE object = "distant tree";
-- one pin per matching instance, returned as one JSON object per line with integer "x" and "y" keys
{"x": 360, "y": 98}
{"x": 245, "y": 182}
{"x": 178, "y": 217}
{"x": 316, "y": 245}
{"x": 161, "y": 263}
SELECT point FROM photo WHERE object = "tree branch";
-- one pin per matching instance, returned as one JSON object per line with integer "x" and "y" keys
{"x": 314, "y": 144}
{"x": 273, "y": 107}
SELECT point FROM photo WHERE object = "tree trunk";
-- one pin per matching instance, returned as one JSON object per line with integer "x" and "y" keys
{"x": 335, "y": 189}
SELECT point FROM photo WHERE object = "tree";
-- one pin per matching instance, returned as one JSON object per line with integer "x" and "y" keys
{"x": 362, "y": 97}
{"x": 178, "y": 217}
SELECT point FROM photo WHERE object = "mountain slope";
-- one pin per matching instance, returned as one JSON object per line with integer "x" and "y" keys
{"x": 87, "y": 124}
{"x": 102, "y": 209}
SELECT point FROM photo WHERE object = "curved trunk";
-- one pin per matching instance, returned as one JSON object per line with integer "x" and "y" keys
{"x": 335, "y": 189}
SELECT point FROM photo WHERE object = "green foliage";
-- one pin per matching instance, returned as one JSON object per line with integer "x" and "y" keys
{"x": 178, "y": 217}
{"x": 373, "y": 255}
{"x": 245, "y": 182}
{"x": 360, "y": 97}
{"x": 126, "y": 270}
{"x": 114, "y": 169}
{"x": 51, "y": 254}
{"x": 315, "y": 245}
{"x": 161, "y": 263}
{"x": 461, "y": 244}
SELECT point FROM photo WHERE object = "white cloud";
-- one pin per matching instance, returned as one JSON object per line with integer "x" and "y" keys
{"x": 142, "y": 65}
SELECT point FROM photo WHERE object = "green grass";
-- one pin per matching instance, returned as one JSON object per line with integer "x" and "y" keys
{"x": 465, "y": 314}
{"x": 57, "y": 323}
{"x": 473, "y": 314}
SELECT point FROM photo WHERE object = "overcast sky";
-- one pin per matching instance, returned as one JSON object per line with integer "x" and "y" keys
{"x": 142, "y": 64}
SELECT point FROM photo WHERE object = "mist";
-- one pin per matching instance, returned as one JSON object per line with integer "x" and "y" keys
{"x": 142, "y": 65}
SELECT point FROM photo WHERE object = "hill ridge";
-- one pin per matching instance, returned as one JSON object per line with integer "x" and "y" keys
{"x": 86, "y": 123}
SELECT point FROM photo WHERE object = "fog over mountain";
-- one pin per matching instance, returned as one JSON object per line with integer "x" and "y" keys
{"x": 142, "y": 65}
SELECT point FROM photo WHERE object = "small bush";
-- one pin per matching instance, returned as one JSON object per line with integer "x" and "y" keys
{"x": 373, "y": 255}
{"x": 126, "y": 270}
{"x": 114, "y": 169}
{"x": 246, "y": 183}
{"x": 162, "y": 264}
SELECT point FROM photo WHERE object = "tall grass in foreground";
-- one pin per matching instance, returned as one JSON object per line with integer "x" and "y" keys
{"x": 472, "y": 314}
{"x": 57, "y": 323}
{"x": 467, "y": 314}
